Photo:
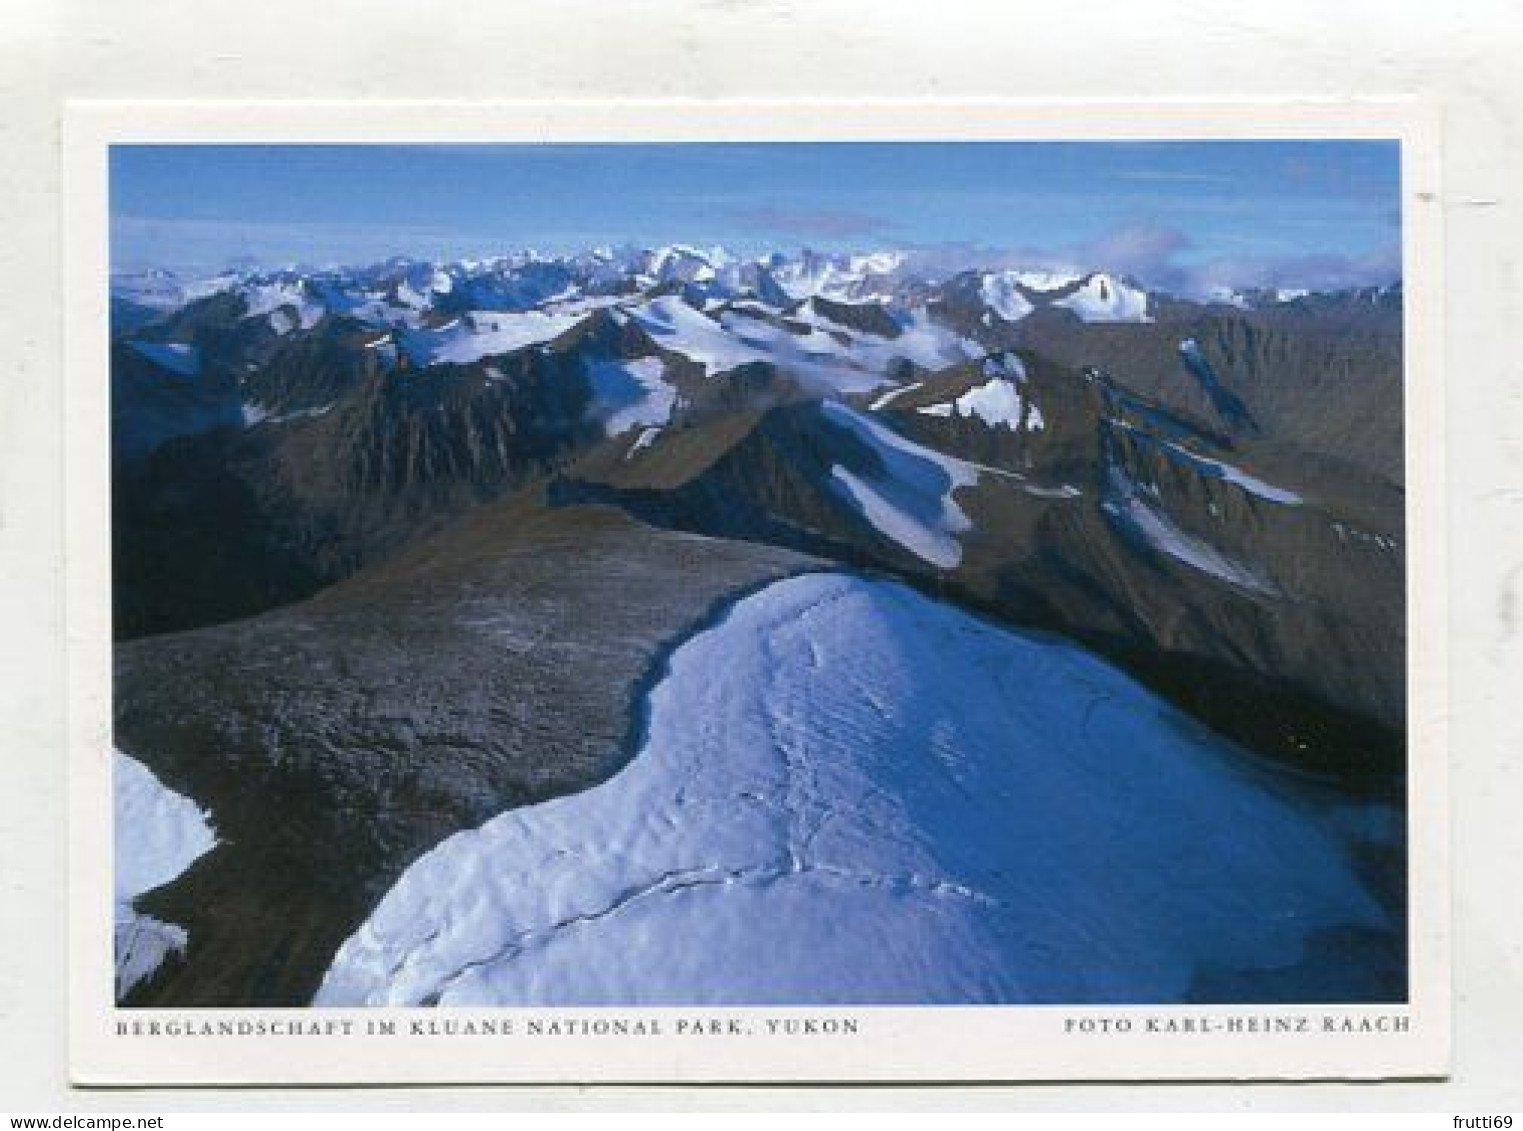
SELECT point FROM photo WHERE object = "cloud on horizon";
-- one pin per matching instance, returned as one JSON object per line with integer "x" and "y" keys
{"x": 1160, "y": 256}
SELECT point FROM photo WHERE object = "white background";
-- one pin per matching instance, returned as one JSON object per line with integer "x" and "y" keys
{"x": 1469, "y": 56}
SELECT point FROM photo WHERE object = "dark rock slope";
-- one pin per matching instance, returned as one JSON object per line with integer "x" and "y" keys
{"x": 1323, "y": 375}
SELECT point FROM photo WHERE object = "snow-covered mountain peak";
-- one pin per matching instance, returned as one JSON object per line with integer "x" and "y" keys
{"x": 413, "y": 293}
{"x": 836, "y": 276}
{"x": 1102, "y": 297}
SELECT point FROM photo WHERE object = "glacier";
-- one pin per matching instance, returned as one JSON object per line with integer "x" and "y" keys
{"x": 847, "y": 792}
{"x": 630, "y": 394}
{"x": 831, "y": 357}
{"x": 909, "y": 496}
{"x": 485, "y": 333}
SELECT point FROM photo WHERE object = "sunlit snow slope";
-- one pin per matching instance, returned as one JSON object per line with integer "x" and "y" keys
{"x": 851, "y": 793}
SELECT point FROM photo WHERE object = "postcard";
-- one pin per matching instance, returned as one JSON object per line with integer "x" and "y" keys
{"x": 688, "y": 592}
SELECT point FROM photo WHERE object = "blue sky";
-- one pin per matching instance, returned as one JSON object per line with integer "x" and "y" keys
{"x": 1172, "y": 213}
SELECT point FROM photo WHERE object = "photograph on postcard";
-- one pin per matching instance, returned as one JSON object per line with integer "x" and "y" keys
{"x": 758, "y": 574}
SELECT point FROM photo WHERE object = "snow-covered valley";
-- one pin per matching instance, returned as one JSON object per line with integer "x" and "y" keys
{"x": 848, "y": 792}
